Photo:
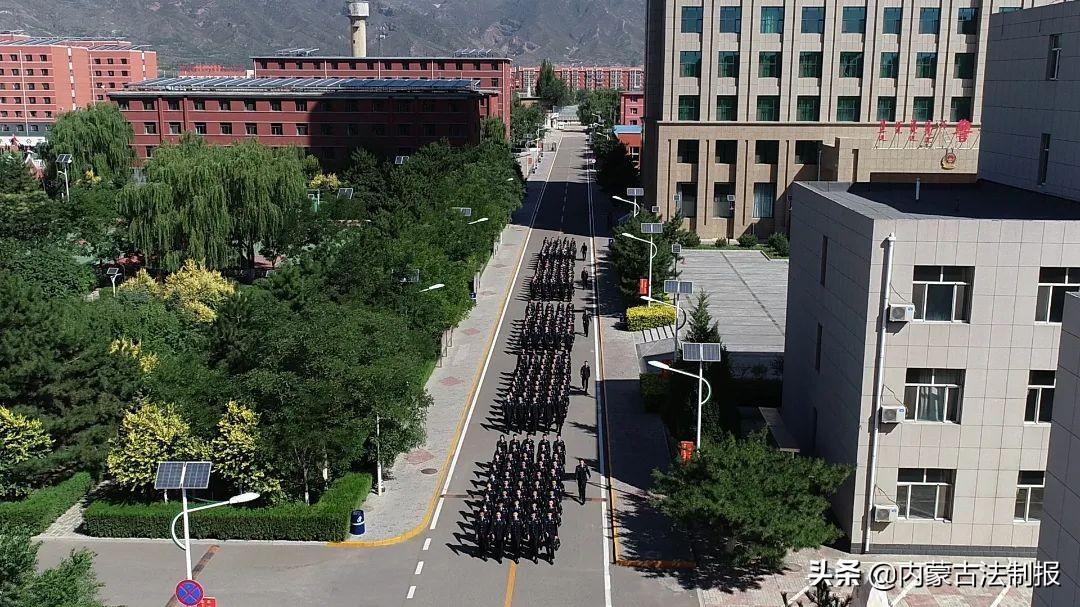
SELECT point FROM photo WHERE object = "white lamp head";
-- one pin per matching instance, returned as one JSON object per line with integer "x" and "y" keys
{"x": 659, "y": 365}
{"x": 243, "y": 498}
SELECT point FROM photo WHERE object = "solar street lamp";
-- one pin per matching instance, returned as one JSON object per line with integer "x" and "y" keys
{"x": 650, "y": 229}
{"x": 65, "y": 160}
{"x": 476, "y": 221}
{"x": 702, "y": 353}
{"x": 637, "y": 207}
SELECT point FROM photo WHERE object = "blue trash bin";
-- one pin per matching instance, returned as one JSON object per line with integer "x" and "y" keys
{"x": 357, "y": 525}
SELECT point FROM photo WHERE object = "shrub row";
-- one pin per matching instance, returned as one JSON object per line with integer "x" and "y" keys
{"x": 327, "y": 520}
{"x": 640, "y": 318}
{"x": 38, "y": 510}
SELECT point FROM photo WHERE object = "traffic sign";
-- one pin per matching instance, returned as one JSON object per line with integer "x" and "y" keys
{"x": 207, "y": 601}
{"x": 189, "y": 593}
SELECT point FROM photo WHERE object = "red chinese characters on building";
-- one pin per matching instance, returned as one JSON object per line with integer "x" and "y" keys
{"x": 881, "y": 131}
{"x": 963, "y": 130}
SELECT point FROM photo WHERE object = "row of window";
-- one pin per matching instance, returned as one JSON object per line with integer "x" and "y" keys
{"x": 810, "y": 64}
{"x": 30, "y": 86}
{"x": 808, "y": 108}
{"x": 30, "y": 113}
{"x": 766, "y": 151}
{"x": 301, "y": 129}
{"x": 264, "y": 64}
{"x": 943, "y": 293}
{"x": 22, "y": 128}
{"x": 300, "y": 105}
{"x": 927, "y": 494}
{"x": 30, "y": 58}
{"x": 853, "y": 20}
{"x": 27, "y": 72}
{"x": 763, "y": 203}
{"x": 29, "y": 100}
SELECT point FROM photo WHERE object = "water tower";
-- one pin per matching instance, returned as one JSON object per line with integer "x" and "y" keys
{"x": 358, "y": 15}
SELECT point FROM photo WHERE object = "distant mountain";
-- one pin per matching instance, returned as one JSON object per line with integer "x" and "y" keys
{"x": 229, "y": 31}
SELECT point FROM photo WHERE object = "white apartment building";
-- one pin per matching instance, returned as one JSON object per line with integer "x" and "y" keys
{"x": 745, "y": 97}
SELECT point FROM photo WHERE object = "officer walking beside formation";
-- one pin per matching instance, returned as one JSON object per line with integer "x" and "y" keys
{"x": 586, "y": 373}
{"x": 583, "y": 474}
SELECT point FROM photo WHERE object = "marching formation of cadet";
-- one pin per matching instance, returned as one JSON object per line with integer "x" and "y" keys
{"x": 548, "y": 326}
{"x": 553, "y": 278}
{"x": 538, "y": 396}
{"x": 520, "y": 507}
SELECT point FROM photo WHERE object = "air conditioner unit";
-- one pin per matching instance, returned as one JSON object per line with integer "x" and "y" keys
{"x": 886, "y": 513}
{"x": 901, "y": 312}
{"x": 893, "y": 414}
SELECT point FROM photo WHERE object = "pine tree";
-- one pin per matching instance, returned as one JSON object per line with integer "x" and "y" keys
{"x": 15, "y": 176}
{"x": 702, "y": 327}
{"x": 550, "y": 88}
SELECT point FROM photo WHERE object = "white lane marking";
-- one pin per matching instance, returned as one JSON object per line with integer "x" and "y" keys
{"x": 412, "y": 591}
{"x": 495, "y": 341}
{"x": 419, "y": 568}
{"x": 427, "y": 544}
{"x": 438, "y": 511}
{"x": 601, "y": 443}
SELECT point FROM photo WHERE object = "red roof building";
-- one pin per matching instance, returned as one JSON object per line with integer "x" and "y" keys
{"x": 327, "y": 117}
{"x": 582, "y": 77}
{"x": 40, "y": 78}
{"x": 631, "y": 107}
{"x": 493, "y": 74}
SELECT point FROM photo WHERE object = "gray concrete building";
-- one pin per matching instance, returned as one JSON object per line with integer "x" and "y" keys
{"x": 944, "y": 411}
{"x": 743, "y": 98}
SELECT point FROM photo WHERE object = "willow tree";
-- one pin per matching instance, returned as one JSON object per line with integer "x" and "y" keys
{"x": 98, "y": 137}
{"x": 213, "y": 204}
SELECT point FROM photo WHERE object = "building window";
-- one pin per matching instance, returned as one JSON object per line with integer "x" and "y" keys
{"x": 806, "y": 152}
{"x": 301, "y": 129}
{"x": 250, "y": 128}
{"x": 933, "y": 395}
{"x": 1053, "y": 57}
{"x": 1040, "y": 397}
{"x": 886, "y": 109}
{"x": 813, "y": 19}
{"x": 851, "y": 65}
{"x": 730, "y": 19}
{"x": 929, "y": 20}
{"x": 1009, "y": 9}
{"x": 766, "y": 151}
{"x": 960, "y": 109}
{"x": 964, "y": 65}
{"x": 686, "y": 151}
{"x": 772, "y": 20}
{"x": 249, "y": 105}
{"x": 174, "y": 104}
{"x": 1029, "y": 495}
{"x": 854, "y": 20}
{"x": 225, "y": 127}
{"x": 924, "y": 493}
{"x": 275, "y": 106}
{"x": 967, "y": 21}
{"x": 148, "y": 104}
{"x": 817, "y": 349}
{"x": 941, "y": 293}
{"x": 922, "y": 109}
{"x": 686, "y": 195}
{"x": 174, "y": 128}
{"x": 810, "y": 64}
{"x": 764, "y": 197}
{"x": 688, "y": 107}
{"x": 722, "y": 207}
{"x": 326, "y": 129}
{"x": 150, "y": 128}
{"x": 301, "y": 105}
{"x": 890, "y": 65}
{"x": 225, "y": 105}
{"x": 200, "y": 128}
{"x": 692, "y": 17}
{"x": 726, "y": 107}
{"x": 690, "y": 64}
{"x": 768, "y": 108}
{"x": 726, "y": 151}
{"x": 1044, "y": 158}
{"x": 847, "y": 109}
{"x": 198, "y": 104}
{"x": 808, "y": 108}
{"x": 769, "y": 64}
{"x": 729, "y": 64}
{"x": 925, "y": 65}
{"x": 277, "y": 129}
{"x": 1054, "y": 284}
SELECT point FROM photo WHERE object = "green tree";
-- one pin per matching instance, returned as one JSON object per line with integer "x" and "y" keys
{"x": 550, "y": 88}
{"x": 15, "y": 176}
{"x": 492, "y": 129}
{"x": 53, "y": 268}
{"x": 525, "y": 122}
{"x": 213, "y": 204}
{"x": 630, "y": 257}
{"x": 98, "y": 137}
{"x": 71, "y": 583}
{"x": 752, "y": 499}
{"x": 604, "y": 102}
{"x": 703, "y": 329}
{"x": 820, "y": 596}
{"x": 238, "y": 459}
{"x": 148, "y": 435}
{"x": 21, "y": 439}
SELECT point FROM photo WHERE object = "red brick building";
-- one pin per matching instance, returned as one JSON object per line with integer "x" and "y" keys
{"x": 630, "y": 136}
{"x": 492, "y": 73}
{"x": 329, "y": 117}
{"x": 40, "y": 78}
{"x": 583, "y": 77}
{"x": 212, "y": 69}
{"x": 631, "y": 107}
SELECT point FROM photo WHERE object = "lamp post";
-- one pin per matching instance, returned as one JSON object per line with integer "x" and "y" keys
{"x": 185, "y": 511}
{"x": 652, "y": 253}
{"x": 701, "y": 401}
{"x": 65, "y": 160}
{"x": 476, "y": 221}
{"x": 637, "y": 207}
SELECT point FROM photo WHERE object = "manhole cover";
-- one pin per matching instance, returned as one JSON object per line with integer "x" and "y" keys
{"x": 428, "y": 471}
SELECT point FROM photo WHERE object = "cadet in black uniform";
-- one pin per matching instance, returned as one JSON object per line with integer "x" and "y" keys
{"x": 582, "y": 473}
{"x": 586, "y": 372}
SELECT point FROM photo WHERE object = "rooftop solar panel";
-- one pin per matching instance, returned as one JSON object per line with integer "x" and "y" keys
{"x": 221, "y": 83}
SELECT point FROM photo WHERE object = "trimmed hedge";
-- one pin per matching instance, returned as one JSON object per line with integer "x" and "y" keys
{"x": 326, "y": 521}
{"x": 38, "y": 510}
{"x": 640, "y": 318}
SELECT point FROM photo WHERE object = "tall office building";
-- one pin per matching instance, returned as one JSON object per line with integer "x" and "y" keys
{"x": 743, "y": 98}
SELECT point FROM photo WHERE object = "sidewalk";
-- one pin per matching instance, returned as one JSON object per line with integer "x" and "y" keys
{"x": 412, "y": 484}
{"x": 637, "y": 440}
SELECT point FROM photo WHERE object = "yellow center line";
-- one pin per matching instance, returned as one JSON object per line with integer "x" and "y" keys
{"x": 510, "y": 578}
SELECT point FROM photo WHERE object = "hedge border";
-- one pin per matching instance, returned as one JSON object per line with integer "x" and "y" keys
{"x": 38, "y": 510}
{"x": 640, "y": 318}
{"x": 327, "y": 520}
